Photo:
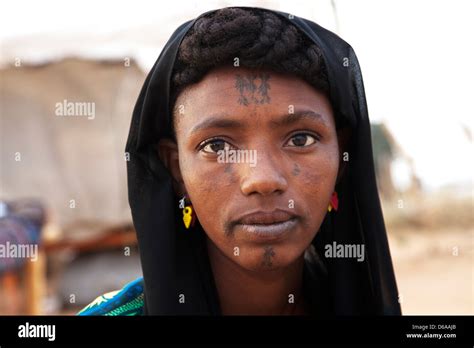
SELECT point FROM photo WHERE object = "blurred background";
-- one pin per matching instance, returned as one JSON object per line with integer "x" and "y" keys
{"x": 63, "y": 179}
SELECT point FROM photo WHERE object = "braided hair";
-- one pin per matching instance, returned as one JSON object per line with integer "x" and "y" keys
{"x": 259, "y": 39}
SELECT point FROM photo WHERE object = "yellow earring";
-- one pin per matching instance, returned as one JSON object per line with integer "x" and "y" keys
{"x": 188, "y": 212}
{"x": 188, "y": 216}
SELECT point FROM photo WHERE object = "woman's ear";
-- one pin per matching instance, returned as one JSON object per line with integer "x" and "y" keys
{"x": 343, "y": 139}
{"x": 169, "y": 155}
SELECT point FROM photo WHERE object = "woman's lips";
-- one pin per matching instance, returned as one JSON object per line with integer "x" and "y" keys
{"x": 267, "y": 226}
{"x": 261, "y": 217}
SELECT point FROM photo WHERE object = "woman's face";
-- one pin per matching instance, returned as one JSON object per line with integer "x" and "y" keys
{"x": 257, "y": 154}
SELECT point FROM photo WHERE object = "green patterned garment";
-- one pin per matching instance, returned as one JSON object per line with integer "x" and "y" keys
{"x": 127, "y": 301}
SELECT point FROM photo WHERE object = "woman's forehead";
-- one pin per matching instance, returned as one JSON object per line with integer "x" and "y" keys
{"x": 248, "y": 93}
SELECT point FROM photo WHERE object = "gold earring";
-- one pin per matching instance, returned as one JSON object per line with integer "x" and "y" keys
{"x": 188, "y": 212}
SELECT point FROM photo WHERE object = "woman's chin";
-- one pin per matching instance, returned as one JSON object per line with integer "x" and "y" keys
{"x": 267, "y": 258}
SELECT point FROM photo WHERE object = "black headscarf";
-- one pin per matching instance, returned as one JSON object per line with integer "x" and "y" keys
{"x": 175, "y": 261}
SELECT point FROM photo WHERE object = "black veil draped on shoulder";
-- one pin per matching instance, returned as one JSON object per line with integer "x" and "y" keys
{"x": 174, "y": 260}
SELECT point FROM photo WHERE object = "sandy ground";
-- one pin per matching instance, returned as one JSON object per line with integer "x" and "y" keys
{"x": 434, "y": 270}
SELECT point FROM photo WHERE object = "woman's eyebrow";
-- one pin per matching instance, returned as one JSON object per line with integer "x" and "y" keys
{"x": 289, "y": 119}
{"x": 216, "y": 122}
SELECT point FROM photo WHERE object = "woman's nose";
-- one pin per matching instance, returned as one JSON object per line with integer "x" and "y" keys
{"x": 265, "y": 178}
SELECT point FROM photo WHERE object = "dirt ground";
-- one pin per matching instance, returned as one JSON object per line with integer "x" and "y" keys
{"x": 434, "y": 270}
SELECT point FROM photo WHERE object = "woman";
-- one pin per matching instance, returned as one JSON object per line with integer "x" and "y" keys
{"x": 251, "y": 178}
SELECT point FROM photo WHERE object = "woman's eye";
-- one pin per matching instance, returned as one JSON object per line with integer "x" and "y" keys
{"x": 214, "y": 146}
{"x": 301, "y": 140}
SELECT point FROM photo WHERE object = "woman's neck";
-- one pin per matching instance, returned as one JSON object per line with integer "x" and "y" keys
{"x": 244, "y": 292}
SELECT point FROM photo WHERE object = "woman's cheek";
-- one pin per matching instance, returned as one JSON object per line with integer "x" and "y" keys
{"x": 316, "y": 184}
{"x": 208, "y": 185}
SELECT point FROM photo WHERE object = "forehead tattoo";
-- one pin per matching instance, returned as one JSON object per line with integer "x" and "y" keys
{"x": 253, "y": 88}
